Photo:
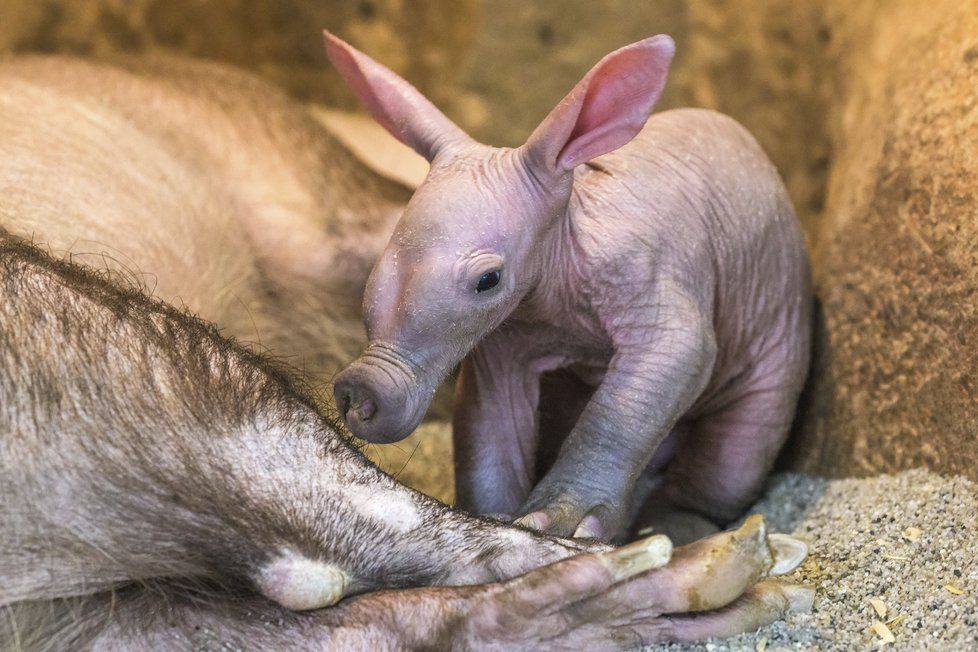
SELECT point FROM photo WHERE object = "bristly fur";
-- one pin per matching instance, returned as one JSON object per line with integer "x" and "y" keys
{"x": 140, "y": 446}
{"x": 131, "y": 302}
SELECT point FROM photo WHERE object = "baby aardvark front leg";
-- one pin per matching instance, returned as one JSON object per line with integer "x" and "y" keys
{"x": 494, "y": 425}
{"x": 655, "y": 375}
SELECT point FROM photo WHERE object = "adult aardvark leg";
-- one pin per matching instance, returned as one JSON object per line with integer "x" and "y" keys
{"x": 605, "y": 600}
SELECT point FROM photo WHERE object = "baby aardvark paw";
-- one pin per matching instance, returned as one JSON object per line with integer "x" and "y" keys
{"x": 562, "y": 513}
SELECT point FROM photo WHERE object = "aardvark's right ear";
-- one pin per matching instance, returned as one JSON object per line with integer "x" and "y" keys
{"x": 395, "y": 104}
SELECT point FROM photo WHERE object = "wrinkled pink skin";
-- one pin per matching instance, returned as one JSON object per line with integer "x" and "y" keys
{"x": 658, "y": 260}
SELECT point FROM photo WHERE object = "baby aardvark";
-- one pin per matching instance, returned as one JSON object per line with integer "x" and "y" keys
{"x": 656, "y": 260}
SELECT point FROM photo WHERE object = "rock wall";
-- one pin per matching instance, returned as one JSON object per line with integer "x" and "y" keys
{"x": 869, "y": 110}
{"x": 280, "y": 39}
{"x": 764, "y": 63}
{"x": 496, "y": 66}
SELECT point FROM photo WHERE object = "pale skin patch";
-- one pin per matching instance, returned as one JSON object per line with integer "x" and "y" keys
{"x": 299, "y": 583}
{"x": 391, "y": 508}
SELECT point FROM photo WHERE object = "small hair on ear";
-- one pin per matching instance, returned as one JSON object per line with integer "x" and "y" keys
{"x": 606, "y": 109}
{"x": 399, "y": 107}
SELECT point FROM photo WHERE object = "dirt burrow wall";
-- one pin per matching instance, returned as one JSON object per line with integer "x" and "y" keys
{"x": 896, "y": 378}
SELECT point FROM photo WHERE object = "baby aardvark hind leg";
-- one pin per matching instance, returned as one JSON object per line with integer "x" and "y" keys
{"x": 721, "y": 465}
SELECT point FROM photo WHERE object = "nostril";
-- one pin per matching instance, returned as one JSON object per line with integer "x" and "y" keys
{"x": 355, "y": 401}
{"x": 343, "y": 400}
{"x": 375, "y": 402}
{"x": 367, "y": 409}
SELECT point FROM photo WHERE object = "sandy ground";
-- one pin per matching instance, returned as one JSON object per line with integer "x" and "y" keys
{"x": 909, "y": 541}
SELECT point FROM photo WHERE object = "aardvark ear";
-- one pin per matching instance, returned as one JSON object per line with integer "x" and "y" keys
{"x": 606, "y": 109}
{"x": 395, "y": 104}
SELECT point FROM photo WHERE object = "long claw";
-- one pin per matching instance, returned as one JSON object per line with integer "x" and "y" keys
{"x": 788, "y": 553}
{"x": 638, "y": 557}
{"x": 616, "y": 598}
{"x": 709, "y": 573}
{"x": 585, "y": 576}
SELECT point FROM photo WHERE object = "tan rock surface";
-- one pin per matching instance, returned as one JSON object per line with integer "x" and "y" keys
{"x": 763, "y": 62}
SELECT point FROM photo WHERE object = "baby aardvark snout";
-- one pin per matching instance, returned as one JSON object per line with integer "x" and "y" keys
{"x": 357, "y": 402}
{"x": 379, "y": 400}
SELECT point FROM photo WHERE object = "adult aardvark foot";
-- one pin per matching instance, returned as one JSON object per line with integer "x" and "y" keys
{"x": 639, "y": 594}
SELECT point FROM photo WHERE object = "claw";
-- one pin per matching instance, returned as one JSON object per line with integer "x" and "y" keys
{"x": 800, "y": 598}
{"x": 534, "y": 521}
{"x": 590, "y": 528}
{"x": 638, "y": 557}
{"x": 788, "y": 553}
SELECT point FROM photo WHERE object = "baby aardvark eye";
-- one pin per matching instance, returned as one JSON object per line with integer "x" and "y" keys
{"x": 488, "y": 281}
